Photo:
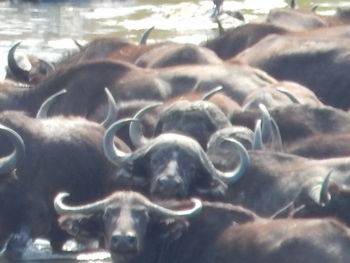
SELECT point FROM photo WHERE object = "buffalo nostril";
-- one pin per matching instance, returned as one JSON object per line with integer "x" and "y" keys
{"x": 177, "y": 183}
{"x": 124, "y": 243}
{"x": 173, "y": 183}
{"x": 115, "y": 239}
{"x": 131, "y": 239}
{"x": 169, "y": 185}
{"x": 162, "y": 182}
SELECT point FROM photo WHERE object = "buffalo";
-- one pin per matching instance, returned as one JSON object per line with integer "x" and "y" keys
{"x": 297, "y": 122}
{"x": 61, "y": 153}
{"x": 174, "y": 165}
{"x": 302, "y": 20}
{"x": 326, "y": 198}
{"x": 138, "y": 230}
{"x": 319, "y": 63}
{"x": 19, "y": 211}
{"x": 85, "y": 85}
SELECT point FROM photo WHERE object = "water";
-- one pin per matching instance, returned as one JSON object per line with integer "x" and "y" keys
{"x": 47, "y": 30}
{"x": 40, "y": 252}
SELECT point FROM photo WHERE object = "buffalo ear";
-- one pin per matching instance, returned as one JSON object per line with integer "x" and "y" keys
{"x": 81, "y": 226}
{"x": 214, "y": 189}
{"x": 126, "y": 177}
{"x": 170, "y": 228}
{"x": 334, "y": 189}
{"x": 158, "y": 129}
{"x": 339, "y": 193}
{"x": 173, "y": 229}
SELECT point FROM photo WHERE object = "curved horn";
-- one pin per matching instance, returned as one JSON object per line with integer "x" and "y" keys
{"x": 45, "y": 107}
{"x": 236, "y": 14}
{"x": 80, "y": 46}
{"x": 135, "y": 132}
{"x": 314, "y": 8}
{"x": 145, "y": 35}
{"x": 197, "y": 207}
{"x": 16, "y": 70}
{"x": 284, "y": 211}
{"x": 257, "y": 140}
{"x": 230, "y": 176}
{"x": 112, "y": 110}
{"x": 49, "y": 67}
{"x": 207, "y": 95}
{"x": 324, "y": 194}
{"x": 291, "y": 96}
{"x": 319, "y": 192}
{"x": 266, "y": 127}
{"x": 9, "y": 163}
{"x": 277, "y": 138}
{"x": 112, "y": 153}
{"x": 62, "y": 208}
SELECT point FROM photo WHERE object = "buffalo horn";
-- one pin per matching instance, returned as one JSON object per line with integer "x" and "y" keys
{"x": 230, "y": 176}
{"x": 62, "y": 208}
{"x": 324, "y": 194}
{"x": 319, "y": 192}
{"x": 277, "y": 141}
{"x": 257, "y": 140}
{"x": 266, "y": 127}
{"x": 45, "y": 107}
{"x": 207, "y": 95}
{"x": 80, "y": 46}
{"x": 112, "y": 153}
{"x": 112, "y": 110}
{"x": 135, "y": 132}
{"x": 269, "y": 130}
{"x": 49, "y": 67}
{"x": 314, "y": 8}
{"x": 290, "y": 96}
{"x": 173, "y": 213}
{"x": 145, "y": 35}
{"x": 9, "y": 163}
{"x": 16, "y": 70}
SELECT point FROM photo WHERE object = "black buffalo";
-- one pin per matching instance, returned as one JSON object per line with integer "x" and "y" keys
{"x": 61, "y": 153}
{"x": 137, "y": 230}
{"x": 316, "y": 62}
{"x": 19, "y": 211}
{"x": 174, "y": 165}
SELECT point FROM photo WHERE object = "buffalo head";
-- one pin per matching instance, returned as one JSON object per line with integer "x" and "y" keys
{"x": 175, "y": 164}
{"x": 321, "y": 198}
{"x": 198, "y": 119}
{"x": 20, "y": 212}
{"x": 39, "y": 68}
{"x": 125, "y": 220}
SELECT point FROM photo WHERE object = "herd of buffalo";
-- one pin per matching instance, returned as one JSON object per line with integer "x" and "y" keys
{"x": 233, "y": 151}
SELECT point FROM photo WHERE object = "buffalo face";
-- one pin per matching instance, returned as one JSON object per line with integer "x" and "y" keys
{"x": 171, "y": 173}
{"x": 125, "y": 217}
{"x": 175, "y": 164}
{"x": 125, "y": 227}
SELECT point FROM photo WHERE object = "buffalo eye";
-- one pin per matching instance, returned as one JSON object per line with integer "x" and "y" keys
{"x": 109, "y": 213}
{"x": 140, "y": 213}
{"x": 156, "y": 162}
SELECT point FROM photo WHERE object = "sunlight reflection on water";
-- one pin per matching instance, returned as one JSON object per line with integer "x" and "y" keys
{"x": 47, "y": 31}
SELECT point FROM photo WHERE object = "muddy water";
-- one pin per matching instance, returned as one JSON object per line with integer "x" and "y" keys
{"x": 47, "y": 30}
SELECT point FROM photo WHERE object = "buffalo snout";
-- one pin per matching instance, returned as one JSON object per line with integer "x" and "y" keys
{"x": 124, "y": 243}
{"x": 168, "y": 186}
